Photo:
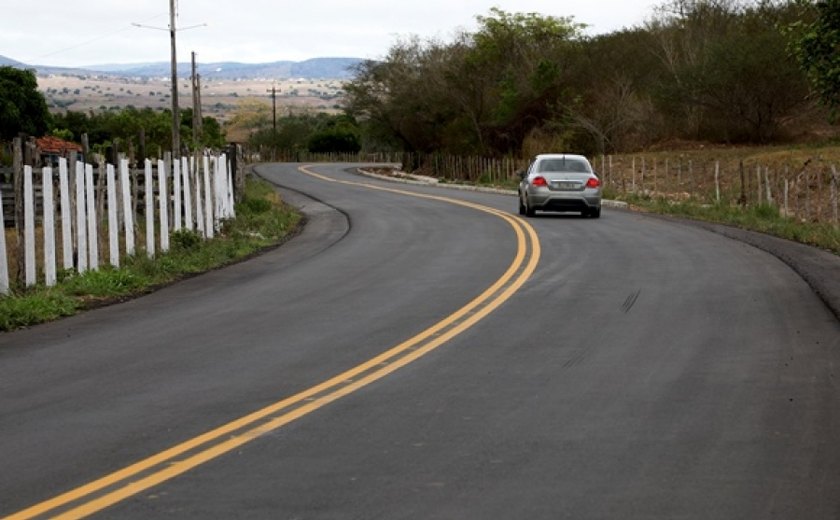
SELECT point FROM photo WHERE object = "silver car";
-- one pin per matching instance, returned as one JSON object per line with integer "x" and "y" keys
{"x": 560, "y": 182}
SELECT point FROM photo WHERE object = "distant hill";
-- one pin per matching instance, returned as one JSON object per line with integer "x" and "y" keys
{"x": 4, "y": 61}
{"x": 316, "y": 68}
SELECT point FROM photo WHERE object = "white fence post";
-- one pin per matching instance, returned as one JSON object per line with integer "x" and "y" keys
{"x": 176, "y": 186}
{"x": 150, "y": 210}
{"x": 163, "y": 199}
{"x": 199, "y": 204}
{"x": 28, "y": 226}
{"x": 208, "y": 200}
{"x": 214, "y": 182}
{"x": 4, "y": 262}
{"x": 231, "y": 204}
{"x": 113, "y": 223}
{"x": 49, "y": 228}
{"x": 219, "y": 177}
{"x": 66, "y": 218}
{"x": 93, "y": 228}
{"x": 185, "y": 173}
{"x": 128, "y": 209}
{"x": 81, "y": 219}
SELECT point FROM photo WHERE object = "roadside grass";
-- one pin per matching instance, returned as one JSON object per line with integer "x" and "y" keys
{"x": 681, "y": 182}
{"x": 262, "y": 221}
{"x": 764, "y": 218}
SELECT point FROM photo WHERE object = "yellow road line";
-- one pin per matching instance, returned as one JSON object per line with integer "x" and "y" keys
{"x": 154, "y": 470}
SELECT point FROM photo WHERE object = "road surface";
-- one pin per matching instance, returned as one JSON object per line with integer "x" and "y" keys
{"x": 430, "y": 357}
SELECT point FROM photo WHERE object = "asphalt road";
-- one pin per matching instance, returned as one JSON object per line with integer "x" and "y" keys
{"x": 646, "y": 369}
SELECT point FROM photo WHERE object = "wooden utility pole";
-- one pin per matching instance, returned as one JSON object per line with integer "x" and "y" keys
{"x": 176, "y": 119}
{"x": 273, "y": 91}
{"x": 196, "y": 93}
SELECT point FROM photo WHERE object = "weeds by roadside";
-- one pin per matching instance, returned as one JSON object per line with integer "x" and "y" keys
{"x": 763, "y": 218}
{"x": 263, "y": 220}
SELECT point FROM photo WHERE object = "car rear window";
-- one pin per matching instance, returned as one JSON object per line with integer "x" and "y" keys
{"x": 563, "y": 165}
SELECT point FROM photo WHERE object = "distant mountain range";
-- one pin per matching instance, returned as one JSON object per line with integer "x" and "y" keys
{"x": 316, "y": 68}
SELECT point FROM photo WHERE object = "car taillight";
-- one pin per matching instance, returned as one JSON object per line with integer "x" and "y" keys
{"x": 593, "y": 183}
{"x": 539, "y": 182}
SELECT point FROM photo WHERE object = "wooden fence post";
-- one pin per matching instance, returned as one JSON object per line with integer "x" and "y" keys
{"x": 4, "y": 262}
{"x": 17, "y": 176}
{"x": 835, "y": 180}
{"x": 807, "y": 197}
{"x": 758, "y": 186}
{"x": 768, "y": 189}
{"x": 787, "y": 209}
{"x": 819, "y": 195}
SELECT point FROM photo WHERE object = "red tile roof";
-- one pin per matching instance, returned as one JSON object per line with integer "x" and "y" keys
{"x": 50, "y": 144}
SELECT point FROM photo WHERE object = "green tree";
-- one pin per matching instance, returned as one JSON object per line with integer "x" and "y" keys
{"x": 817, "y": 47}
{"x": 728, "y": 76}
{"x": 483, "y": 93}
{"x": 340, "y": 135}
{"x": 22, "y": 107}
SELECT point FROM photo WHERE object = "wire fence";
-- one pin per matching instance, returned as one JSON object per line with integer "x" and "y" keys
{"x": 803, "y": 189}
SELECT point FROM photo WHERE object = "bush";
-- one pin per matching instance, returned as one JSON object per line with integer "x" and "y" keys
{"x": 185, "y": 240}
{"x": 255, "y": 206}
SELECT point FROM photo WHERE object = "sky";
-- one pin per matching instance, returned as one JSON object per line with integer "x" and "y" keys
{"x": 95, "y": 32}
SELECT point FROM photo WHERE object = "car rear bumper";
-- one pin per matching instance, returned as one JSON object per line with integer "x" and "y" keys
{"x": 557, "y": 202}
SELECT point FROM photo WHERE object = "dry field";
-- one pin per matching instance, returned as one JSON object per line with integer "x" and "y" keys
{"x": 219, "y": 97}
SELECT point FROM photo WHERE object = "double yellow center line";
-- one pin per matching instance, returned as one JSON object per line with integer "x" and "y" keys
{"x": 152, "y": 471}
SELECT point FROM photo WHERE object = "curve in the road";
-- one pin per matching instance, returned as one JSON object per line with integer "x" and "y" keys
{"x": 122, "y": 484}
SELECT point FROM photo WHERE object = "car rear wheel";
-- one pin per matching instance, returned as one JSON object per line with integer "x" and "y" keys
{"x": 529, "y": 211}
{"x": 595, "y": 212}
{"x": 522, "y": 209}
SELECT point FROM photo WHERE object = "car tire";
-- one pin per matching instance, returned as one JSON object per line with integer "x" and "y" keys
{"x": 522, "y": 209}
{"x": 595, "y": 213}
{"x": 529, "y": 211}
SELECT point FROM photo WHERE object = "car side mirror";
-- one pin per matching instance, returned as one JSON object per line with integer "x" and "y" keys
{"x": 522, "y": 174}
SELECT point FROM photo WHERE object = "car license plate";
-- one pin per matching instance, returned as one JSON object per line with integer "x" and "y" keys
{"x": 566, "y": 185}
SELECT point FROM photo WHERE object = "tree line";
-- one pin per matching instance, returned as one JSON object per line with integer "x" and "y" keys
{"x": 722, "y": 71}
{"x": 137, "y": 132}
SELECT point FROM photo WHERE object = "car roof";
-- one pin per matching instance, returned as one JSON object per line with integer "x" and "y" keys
{"x": 560, "y": 156}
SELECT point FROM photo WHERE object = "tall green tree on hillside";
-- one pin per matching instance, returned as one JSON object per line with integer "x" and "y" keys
{"x": 613, "y": 108}
{"x": 482, "y": 94}
{"x": 817, "y": 46}
{"x": 22, "y": 107}
{"x": 729, "y": 76}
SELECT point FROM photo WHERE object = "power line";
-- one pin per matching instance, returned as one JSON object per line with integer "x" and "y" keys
{"x": 92, "y": 40}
